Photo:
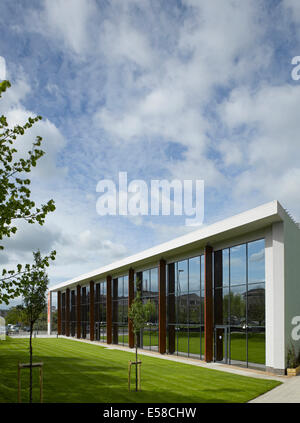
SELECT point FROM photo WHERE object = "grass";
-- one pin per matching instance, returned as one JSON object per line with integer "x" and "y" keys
{"x": 80, "y": 372}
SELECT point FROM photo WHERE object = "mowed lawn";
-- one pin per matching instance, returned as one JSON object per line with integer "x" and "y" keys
{"x": 81, "y": 372}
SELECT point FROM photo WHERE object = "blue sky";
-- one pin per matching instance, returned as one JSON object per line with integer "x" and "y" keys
{"x": 185, "y": 89}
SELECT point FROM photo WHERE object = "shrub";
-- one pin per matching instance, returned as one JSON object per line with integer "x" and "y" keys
{"x": 293, "y": 359}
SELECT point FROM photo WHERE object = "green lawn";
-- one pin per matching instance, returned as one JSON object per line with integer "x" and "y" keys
{"x": 80, "y": 372}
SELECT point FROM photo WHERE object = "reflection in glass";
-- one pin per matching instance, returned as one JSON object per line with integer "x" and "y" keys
{"x": 182, "y": 339}
{"x": 195, "y": 341}
{"x": 238, "y": 344}
{"x": 256, "y": 305}
{"x": 185, "y": 307}
{"x": 237, "y": 301}
{"x": 154, "y": 280}
{"x": 225, "y": 266}
{"x": 256, "y": 261}
{"x": 202, "y": 272}
{"x": 146, "y": 283}
{"x": 182, "y": 276}
{"x": 149, "y": 335}
{"x": 194, "y": 274}
{"x": 238, "y": 265}
{"x": 182, "y": 308}
{"x": 194, "y": 307}
{"x": 256, "y": 346}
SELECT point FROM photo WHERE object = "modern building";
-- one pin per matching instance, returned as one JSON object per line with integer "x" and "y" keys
{"x": 228, "y": 292}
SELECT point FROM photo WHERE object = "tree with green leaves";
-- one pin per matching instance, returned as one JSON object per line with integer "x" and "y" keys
{"x": 139, "y": 314}
{"x": 15, "y": 315}
{"x": 15, "y": 197}
{"x": 35, "y": 288}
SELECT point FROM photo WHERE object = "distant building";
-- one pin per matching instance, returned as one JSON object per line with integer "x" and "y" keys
{"x": 2, "y": 329}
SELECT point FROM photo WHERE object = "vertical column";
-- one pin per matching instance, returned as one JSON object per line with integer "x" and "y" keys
{"x": 218, "y": 303}
{"x": 58, "y": 312}
{"x": 78, "y": 312}
{"x": 208, "y": 304}
{"x": 115, "y": 313}
{"x": 98, "y": 317}
{"x": 92, "y": 311}
{"x": 139, "y": 288}
{"x": 108, "y": 311}
{"x": 67, "y": 312}
{"x": 130, "y": 299}
{"x": 49, "y": 312}
{"x": 171, "y": 308}
{"x": 63, "y": 313}
{"x": 162, "y": 307}
{"x": 275, "y": 299}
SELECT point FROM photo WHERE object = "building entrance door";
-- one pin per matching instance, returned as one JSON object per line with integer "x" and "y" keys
{"x": 221, "y": 344}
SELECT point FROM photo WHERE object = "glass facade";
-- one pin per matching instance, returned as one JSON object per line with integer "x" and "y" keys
{"x": 185, "y": 307}
{"x": 149, "y": 292}
{"x": 63, "y": 313}
{"x": 120, "y": 310}
{"x": 73, "y": 317}
{"x": 100, "y": 312}
{"x": 85, "y": 312}
{"x": 239, "y": 304}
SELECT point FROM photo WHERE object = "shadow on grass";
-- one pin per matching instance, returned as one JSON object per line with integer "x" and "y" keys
{"x": 84, "y": 373}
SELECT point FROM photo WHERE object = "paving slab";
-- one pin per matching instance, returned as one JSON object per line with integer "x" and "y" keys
{"x": 289, "y": 392}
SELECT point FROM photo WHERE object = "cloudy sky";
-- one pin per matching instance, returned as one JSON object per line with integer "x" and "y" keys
{"x": 186, "y": 89}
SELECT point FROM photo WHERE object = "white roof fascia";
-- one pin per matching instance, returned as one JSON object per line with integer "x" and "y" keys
{"x": 233, "y": 226}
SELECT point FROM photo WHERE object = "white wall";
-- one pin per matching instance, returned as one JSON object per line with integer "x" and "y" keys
{"x": 292, "y": 282}
{"x": 49, "y": 312}
{"x": 275, "y": 297}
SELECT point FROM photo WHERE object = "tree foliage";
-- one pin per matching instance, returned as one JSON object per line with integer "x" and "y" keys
{"x": 15, "y": 315}
{"x": 15, "y": 198}
{"x": 139, "y": 314}
{"x": 35, "y": 288}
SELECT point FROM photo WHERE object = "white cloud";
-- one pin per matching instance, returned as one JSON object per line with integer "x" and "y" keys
{"x": 68, "y": 21}
{"x": 133, "y": 79}
{"x": 271, "y": 155}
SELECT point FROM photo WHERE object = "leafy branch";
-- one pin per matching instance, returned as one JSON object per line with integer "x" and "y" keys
{"x": 15, "y": 196}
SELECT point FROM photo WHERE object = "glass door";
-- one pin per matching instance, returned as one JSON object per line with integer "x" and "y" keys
{"x": 221, "y": 344}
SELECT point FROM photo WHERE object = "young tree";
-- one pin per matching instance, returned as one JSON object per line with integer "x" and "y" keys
{"x": 139, "y": 314}
{"x": 34, "y": 300}
{"x": 15, "y": 197}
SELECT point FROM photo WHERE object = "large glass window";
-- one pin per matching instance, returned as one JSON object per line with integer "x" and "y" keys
{"x": 185, "y": 307}
{"x": 239, "y": 302}
{"x": 100, "y": 311}
{"x": 73, "y": 317}
{"x": 148, "y": 338}
{"x": 120, "y": 310}
{"x": 85, "y": 312}
{"x": 63, "y": 313}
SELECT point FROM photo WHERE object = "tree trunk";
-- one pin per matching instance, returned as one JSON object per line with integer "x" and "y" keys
{"x": 136, "y": 366}
{"x": 30, "y": 369}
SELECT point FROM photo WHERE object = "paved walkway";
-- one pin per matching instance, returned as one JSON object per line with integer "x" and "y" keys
{"x": 288, "y": 392}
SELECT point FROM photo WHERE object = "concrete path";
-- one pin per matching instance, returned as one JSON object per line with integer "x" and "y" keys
{"x": 288, "y": 392}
